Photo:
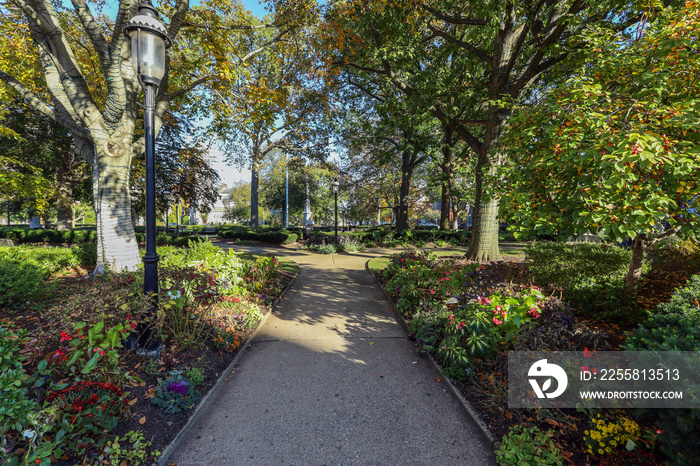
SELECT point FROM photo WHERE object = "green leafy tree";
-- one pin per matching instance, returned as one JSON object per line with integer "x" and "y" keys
{"x": 615, "y": 150}
{"x": 74, "y": 66}
{"x": 464, "y": 63}
{"x": 183, "y": 169}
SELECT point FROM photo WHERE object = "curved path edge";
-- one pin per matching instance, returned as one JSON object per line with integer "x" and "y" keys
{"x": 468, "y": 408}
{"x": 168, "y": 451}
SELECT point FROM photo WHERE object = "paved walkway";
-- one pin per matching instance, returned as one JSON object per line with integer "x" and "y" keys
{"x": 331, "y": 379}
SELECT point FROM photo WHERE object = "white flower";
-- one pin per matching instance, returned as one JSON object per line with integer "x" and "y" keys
{"x": 28, "y": 434}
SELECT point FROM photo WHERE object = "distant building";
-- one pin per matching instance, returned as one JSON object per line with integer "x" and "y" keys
{"x": 221, "y": 206}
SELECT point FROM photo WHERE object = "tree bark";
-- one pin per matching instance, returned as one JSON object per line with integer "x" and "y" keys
{"x": 406, "y": 174}
{"x": 447, "y": 167}
{"x": 254, "y": 193}
{"x": 117, "y": 248}
{"x": 483, "y": 246}
{"x": 635, "y": 269}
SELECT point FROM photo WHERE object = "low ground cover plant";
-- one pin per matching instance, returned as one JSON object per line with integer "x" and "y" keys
{"x": 68, "y": 379}
{"x": 589, "y": 276}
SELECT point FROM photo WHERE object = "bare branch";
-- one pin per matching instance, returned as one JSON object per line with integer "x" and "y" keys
{"x": 186, "y": 89}
{"x": 231, "y": 27}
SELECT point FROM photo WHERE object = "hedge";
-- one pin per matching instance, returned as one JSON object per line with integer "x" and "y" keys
{"x": 23, "y": 235}
{"x": 268, "y": 235}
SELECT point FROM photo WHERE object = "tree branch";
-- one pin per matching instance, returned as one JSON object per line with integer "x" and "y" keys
{"x": 454, "y": 19}
{"x": 93, "y": 31}
{"x": 465, "y": 45}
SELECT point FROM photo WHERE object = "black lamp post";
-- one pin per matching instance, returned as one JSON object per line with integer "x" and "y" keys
{"x": 335, "y": 186}
{"x": 149, "y": 39}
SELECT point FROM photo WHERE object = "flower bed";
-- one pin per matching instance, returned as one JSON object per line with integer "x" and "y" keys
{"x": 468, "y": 316}
{"x": 73, "y": 393}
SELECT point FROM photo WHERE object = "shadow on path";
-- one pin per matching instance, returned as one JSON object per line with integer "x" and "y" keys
{"x": 332, "y": 379}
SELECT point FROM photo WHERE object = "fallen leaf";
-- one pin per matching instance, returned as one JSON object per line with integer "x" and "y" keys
{"x": 438, "y": 379}
{"x": 226, "y": 380}
{"x": 150, "y": 393}
{"x": 508, "y": 415}
{"x": 142, "y": 384}
{"x": 371, "y": 343}
{"x": 552, "y": 422}
{"x": 142, "y": 421}
{"x": 123, "y": 463}
{"x": 381, "y": 376}
{"x": 133, "y": 402}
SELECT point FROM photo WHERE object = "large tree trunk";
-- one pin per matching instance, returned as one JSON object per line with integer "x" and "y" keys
{"x": 64, "y": 202}
{"x": 447, "y": 168}
{"x": 406, "y": 173}
{"x": 445, "y": 199}
{"x": 117, "y": 248}
{"x": 635, "y": 269}
{"x": 483, "y": 246}
{"x": 254, "y": 193}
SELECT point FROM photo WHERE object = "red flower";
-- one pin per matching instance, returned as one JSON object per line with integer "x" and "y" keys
{"x": 65, "y": 337}
{"x": 659, "y": 431}
{"x": 587, "y": 353}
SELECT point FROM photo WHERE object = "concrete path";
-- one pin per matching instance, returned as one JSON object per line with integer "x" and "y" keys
{"x": 331, "y": 379}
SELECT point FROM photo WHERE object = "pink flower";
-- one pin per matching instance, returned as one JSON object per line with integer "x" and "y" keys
{"x": 497, "y": 322}
{"x": 499, "y": 309}
{"x": 461, "y": 325}
{"x": 659, "y": 431}
{"x": 432, "y": 291}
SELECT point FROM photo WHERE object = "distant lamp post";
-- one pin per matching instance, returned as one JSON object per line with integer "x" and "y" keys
{"x": 167, "y": 208}
{"x": 335, "y": 186}
{"x": 149, "y": 39}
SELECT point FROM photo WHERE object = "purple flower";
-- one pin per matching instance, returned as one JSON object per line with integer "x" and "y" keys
{"x": 179, "y": 387}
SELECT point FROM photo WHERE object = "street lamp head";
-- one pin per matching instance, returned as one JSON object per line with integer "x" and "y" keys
{"x": 335, "y": 186}
{"x": 149, "y": 39}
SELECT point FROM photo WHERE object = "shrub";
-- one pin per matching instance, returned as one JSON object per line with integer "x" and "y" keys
{"x": 25, "y": 235}
{"x": 590, "y": 276}
{"x": 20, "y": 283}
{"x": 23, "y": 270}
{"x": 532, "y": 447}
{"x": 675, "y": 326}
{"x": 15, "y": 402}
{"x": 279, "y": 237}
{"x": 86, "y": 254}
